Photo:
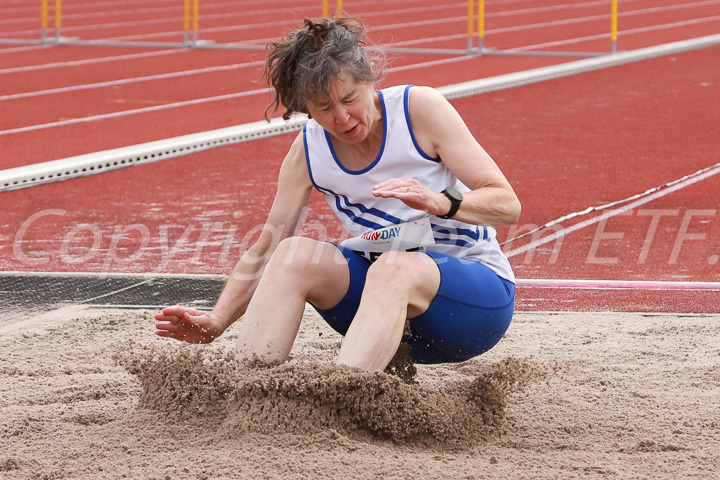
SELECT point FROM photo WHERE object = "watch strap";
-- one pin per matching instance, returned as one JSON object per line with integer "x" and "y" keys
{"x": 455, "y": 198}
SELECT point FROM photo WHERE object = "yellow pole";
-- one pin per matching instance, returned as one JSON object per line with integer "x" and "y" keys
{"x": 481, "y": 24}
{"x": 44, "y": 13}
{"x": 196, "y": 20}
{"x": 325, "y": 8}
{"x": 470, "y": 24}
{"x": 339, "y": 4}
{"x": 58, "y": 13}
{"x": 186, "y": 22}
{"x": 614, "y": 25}
{"x": 186, "y": 16}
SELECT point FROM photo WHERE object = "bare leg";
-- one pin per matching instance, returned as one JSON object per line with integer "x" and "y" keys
{"x": 399, "y": 285}
{"x": 300, "y": 270}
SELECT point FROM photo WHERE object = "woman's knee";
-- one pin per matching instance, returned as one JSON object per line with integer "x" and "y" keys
{"x": 315, "y": 266}
{"x": 296, "y": 254}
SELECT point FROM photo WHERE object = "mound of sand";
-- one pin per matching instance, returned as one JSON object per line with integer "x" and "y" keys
{"x": 94, "y": 394}
{"x": 309, "y": 397}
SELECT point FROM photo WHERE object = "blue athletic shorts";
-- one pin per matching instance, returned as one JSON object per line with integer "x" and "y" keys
{"x": 469, "y": 315}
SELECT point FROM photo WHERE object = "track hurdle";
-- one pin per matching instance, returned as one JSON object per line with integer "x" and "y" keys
{"x": 44, "y": 7}
{"x": 44, "y": 26}
{"x": 479, "y": 34}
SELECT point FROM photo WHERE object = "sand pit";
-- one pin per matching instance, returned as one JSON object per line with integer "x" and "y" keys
{"x": 91, "y": 394}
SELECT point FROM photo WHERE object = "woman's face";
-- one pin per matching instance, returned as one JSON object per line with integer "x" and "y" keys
{"x": 350, "y": 112}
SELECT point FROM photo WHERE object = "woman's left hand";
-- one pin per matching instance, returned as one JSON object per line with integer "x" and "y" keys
{"x": 413, "y": 194}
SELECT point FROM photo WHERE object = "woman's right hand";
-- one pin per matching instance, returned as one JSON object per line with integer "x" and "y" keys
{"x": 189, "y": 325}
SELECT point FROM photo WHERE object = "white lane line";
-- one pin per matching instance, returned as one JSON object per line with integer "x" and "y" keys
{"x": 569, "y": 283}
{"x": 617, "y": 284}
{"x": 90, "y": 61}
{"x": 111, "y": 83}
{"x": 611, "y": 213}
{"x": 431, "y": 63}
{"x": 125, "y": 113}
{"x": 198, "y": 101}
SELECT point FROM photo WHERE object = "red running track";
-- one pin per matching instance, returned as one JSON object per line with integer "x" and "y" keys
{"x": 565, "y": 145}
{"x": 551, "y": 139}
{"x": 142, "y": 95}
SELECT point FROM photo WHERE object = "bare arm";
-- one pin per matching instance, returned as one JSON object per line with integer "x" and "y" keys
{"x": 440, "y": 131}
{"x": 292, "y": 194}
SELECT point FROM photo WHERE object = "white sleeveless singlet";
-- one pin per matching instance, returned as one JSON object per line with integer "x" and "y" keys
{"x": 349, "y": 192}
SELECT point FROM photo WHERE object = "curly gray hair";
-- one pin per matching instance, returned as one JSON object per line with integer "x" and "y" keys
{"x": 299, "y": 68}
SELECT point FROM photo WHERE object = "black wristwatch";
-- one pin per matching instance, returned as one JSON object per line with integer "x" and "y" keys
{"x": 456, "y": 199}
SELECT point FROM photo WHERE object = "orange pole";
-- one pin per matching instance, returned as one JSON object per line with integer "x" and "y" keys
{"x": 481, "y": 24}
{"x": 58, "y": 13}
{"x": 44, "y": 18}
{"x": 614, "y": 25}
{"x": 44, "y": 10}
{"x": 325, "y": 8}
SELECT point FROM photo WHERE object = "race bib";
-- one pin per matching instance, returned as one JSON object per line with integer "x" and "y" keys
{"x": 407, "y": 236}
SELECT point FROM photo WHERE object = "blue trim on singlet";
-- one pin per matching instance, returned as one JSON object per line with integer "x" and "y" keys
{"x": 307, "y": 158}
{"x": 355, "y": 218}
{"x": 382, "y": 146}
{"x": 338, "y": 198}
{"x": 406, "y": 105}
{"x": 363, "y": 209}
{"x": 455, "y": 235}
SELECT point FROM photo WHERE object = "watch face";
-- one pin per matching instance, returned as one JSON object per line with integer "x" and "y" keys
{"x": 454, "y": 194}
